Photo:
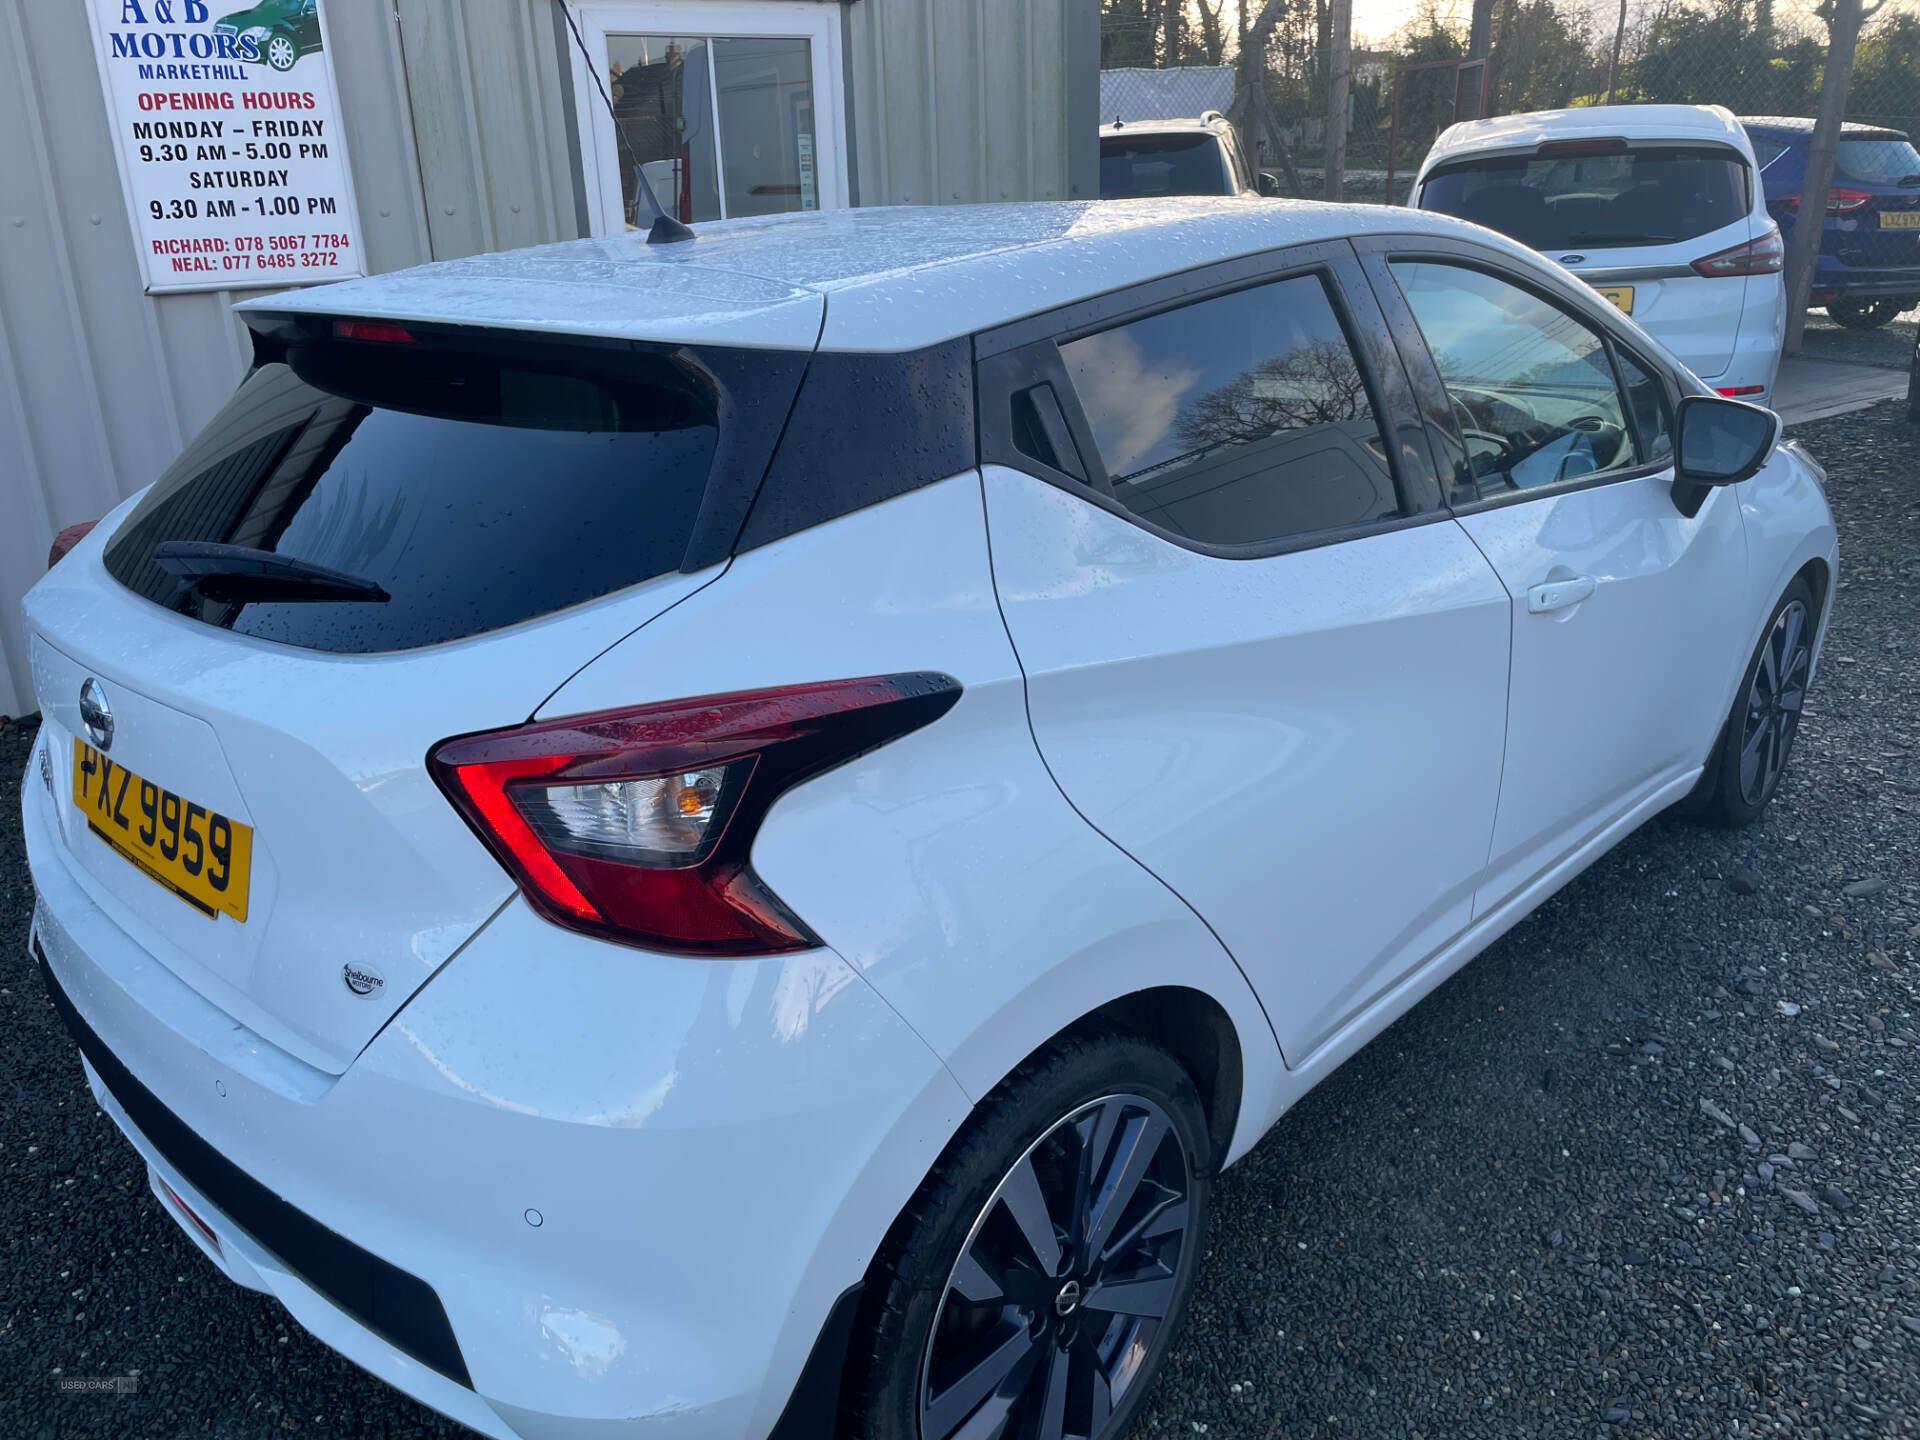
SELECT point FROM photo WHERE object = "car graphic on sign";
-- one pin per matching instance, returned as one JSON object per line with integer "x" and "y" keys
{"x": 281, "y": 30}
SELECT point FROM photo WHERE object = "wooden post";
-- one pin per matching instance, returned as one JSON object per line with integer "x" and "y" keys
{"x": 1337, "y": 87}
{"x": 1393, "y": 134}
{"x": 1809, "y": 221}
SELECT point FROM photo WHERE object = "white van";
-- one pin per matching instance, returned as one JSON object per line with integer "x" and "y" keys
{"x": 1658, "y": 207}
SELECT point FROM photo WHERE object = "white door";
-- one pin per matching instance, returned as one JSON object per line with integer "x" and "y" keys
{"x": 726, "y": 109}
{"x": 1626, "y": 621}
{"x": 1258, "y": 666}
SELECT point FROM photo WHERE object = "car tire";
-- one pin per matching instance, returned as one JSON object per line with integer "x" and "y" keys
{"x": 1744, "y": 772}
{"x": 282, "y": 52}
{"x": 1864, "y": 314}
{"x": 996, "y": 1284}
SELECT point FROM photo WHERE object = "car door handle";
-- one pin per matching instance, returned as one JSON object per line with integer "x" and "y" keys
{"x": 1558, "y": 594}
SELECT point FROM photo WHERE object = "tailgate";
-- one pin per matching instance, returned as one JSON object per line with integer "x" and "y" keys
{"x": 1695, "y": 316}
{"x": 358, "y": 862}
{"x": 389, "y": 536}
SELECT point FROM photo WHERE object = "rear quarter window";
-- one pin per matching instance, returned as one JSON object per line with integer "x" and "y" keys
{"x": 478, "y": 489}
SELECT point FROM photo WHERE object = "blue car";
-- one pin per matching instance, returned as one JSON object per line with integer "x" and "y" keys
{"x": 1868, "y": 270}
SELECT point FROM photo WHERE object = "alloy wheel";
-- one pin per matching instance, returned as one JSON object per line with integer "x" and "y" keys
{"x": 1068, "y": 1275}
{"x": 1774, "y": 702}
{"x": 280, "y": 53}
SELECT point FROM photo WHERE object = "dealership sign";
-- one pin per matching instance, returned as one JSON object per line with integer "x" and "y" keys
{"x": 227, "y": 125}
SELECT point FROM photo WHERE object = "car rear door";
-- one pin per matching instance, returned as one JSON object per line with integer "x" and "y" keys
{"x": 1625, "y": 613}
{"x": 1259, "y": 656}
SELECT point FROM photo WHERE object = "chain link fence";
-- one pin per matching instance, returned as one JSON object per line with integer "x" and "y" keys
{"x": 1756, "y": 57}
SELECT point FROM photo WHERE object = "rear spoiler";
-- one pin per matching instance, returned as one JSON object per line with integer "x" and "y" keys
{"x": 273, "y": 333}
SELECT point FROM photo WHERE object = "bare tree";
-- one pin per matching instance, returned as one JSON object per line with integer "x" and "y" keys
{"x": 1213, "y": 34}
{"x": 1619, "y": 38}
{"x": 1252, "y": 114}
{"x": 1173, "y": 31}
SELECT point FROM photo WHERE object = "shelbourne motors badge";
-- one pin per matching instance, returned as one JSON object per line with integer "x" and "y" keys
{"x": 226, "y": 123}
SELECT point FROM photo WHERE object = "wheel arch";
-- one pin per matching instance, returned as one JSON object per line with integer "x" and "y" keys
{"x": 1819, "y": 577}
{"x": 1197, "y": 1031}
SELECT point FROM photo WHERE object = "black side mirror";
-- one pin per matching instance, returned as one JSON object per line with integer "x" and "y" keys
{"x": 1722, "y": 442}
{"x": 1718, "y": 442}
{"x": 1269, "y": 184}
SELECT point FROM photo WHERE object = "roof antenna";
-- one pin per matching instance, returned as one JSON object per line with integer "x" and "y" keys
{"x": 665, "y": 229}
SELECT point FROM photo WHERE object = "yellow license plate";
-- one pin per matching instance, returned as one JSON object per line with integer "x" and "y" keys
{"x": 1620, "y": 296}
{"x": 1900, "y": 219}
{"x": 197, "y": 853}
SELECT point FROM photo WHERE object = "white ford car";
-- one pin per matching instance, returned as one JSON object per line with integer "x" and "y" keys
{"x": 1659, "y": 207}
{"x": 719, "y": 840}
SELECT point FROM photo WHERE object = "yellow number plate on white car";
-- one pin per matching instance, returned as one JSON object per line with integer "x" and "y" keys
{"x": 1900, "y": 219}
{"x": 1621, "y": 296}
{"x": 197, "y": 853}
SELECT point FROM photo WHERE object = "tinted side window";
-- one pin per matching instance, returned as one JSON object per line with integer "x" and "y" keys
{"x": 1647, "y": 398}
{"x": 1238, "y": 420}
{"x": 1532, "y": 389}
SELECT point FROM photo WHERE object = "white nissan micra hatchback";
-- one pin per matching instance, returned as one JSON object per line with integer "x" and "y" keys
{"x": 720, "y": 839}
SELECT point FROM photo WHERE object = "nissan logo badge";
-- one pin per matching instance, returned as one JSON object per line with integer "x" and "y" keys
{"x": 96, "y": 714}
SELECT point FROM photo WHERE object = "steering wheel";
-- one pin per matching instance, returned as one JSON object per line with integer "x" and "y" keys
{"x": 1607, "y": 437}
{"x": 1471, "y": 428}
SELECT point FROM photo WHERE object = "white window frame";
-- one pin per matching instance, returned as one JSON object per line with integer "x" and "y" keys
{"x": 802, "y": 19}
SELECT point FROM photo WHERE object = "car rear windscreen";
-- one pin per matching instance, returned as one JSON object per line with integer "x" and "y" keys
{"x": 1653, "y": 195}
{"x": 1878, "y": 162}
{"x": 475, "y": 488}
{"x": 1135, "y": 165}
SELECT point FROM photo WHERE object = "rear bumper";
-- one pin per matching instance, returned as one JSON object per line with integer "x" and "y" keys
{"x": 570, "y": 1191}
{"x": 1756, "y": 349}
{"x": 1850, "y": 282}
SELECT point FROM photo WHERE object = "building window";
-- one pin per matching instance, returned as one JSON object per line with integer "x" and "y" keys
{"x": 727, "y": 109}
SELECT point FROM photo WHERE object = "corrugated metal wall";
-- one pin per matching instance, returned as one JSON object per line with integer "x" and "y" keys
{"x": 964, "y": 100}
{"x": 460, "y": 137}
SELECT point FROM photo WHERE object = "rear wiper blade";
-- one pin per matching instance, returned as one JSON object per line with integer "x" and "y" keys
{"x": 1616, "y": 237}
{"x": 239, "y": 573}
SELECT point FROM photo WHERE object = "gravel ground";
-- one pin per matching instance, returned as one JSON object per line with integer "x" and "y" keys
{"x": 1529, "y": 1209}
{"x": 1890, "y": 346}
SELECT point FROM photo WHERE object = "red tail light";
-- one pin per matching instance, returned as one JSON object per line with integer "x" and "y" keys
{"x": 637, "y": 825}
{"x": 67, "y": 539}
{"x": 1756, "y": 257}
{"x": 1840, "y": 200}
